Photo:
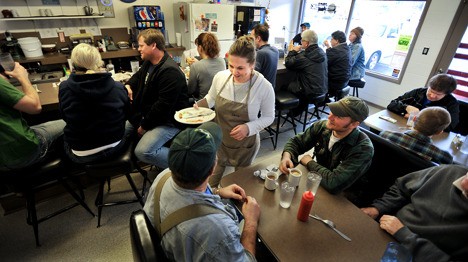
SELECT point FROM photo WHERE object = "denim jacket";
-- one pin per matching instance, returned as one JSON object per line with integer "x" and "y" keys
{"x": 213, "y": 237}
{"x": 358, "y": 58}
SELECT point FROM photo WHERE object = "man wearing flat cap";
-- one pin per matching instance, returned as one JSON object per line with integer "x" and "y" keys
{"x": 342, "y": 153}
{"x": 212, "y": 237}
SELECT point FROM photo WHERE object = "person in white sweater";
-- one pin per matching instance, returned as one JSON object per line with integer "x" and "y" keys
{"x": 245, "y": 105}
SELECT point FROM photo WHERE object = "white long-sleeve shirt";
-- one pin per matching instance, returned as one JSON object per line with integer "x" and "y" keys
{"x": 261, "y": 99}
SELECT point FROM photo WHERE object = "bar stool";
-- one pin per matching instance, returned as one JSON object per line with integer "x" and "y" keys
{"x": 315, "y": 102}
{"x": 284, "y": 102}
{"x": 103, "y": 171}
{"x": 335, "y": 96}
{"x": 31, "y": 180}
{"x": 355, "y": 84}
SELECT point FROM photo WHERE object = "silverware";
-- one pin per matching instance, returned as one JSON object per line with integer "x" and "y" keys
{"x": 199, "y": 115}
{"x": 331, "y": 225}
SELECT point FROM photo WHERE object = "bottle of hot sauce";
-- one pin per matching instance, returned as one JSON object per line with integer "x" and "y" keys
{"x": 305, "y": 207}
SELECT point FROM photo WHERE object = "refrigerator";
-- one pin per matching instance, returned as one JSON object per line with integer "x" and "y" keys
{"x": 191, "y": 19}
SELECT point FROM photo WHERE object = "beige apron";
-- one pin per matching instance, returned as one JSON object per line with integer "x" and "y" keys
{"x": 230, "y": 114}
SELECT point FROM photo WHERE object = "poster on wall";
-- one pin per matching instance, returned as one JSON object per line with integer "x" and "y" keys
{"x": 106, "y": 7}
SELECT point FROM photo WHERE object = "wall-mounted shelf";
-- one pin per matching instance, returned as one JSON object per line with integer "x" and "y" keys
{"x": 33, "y": 18}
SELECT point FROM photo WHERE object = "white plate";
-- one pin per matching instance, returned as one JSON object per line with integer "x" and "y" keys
{"x": 194, "y": 116}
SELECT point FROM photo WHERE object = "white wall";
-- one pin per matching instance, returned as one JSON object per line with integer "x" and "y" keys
{"x": 280, "y": 11}
{"x": 432, "y": 35}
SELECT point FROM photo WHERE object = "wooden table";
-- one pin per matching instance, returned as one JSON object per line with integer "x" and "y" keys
{"x": 289, "y": 239}
{"x": 442, "y": 141}
{"x": 48, "y": 96}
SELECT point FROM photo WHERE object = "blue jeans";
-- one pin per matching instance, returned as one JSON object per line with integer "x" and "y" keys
{"x": 150, "y": 149}
{"x": 104, "y": 154}
{"x": 47, "y": 133}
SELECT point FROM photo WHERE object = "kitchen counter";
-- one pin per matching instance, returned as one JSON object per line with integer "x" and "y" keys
{"x": 59, "y": 58}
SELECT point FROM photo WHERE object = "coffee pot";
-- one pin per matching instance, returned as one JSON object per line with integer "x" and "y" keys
{"x": 88, "y": 10}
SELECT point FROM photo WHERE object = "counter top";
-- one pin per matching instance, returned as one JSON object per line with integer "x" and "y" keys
{"x": 60, "y": 58}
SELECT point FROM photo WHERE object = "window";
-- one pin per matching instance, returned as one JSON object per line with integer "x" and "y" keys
{"x": 390, "y": 28}
{"x": 458, "y": 68}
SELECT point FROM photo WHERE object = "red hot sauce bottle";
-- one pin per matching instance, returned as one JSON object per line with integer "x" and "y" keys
{"x": 305, "y": 207}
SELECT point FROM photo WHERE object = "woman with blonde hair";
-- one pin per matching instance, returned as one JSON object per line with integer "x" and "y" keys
{"x": 203, "y": 71}
{"x": 94, "y": 107}
{"x": 239, "y": 94}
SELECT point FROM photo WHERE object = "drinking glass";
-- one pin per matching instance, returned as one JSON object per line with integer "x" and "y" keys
{"x": 286, "y": 194}
{"x": 313, "y": 181}
{"x": 7, "y": 62}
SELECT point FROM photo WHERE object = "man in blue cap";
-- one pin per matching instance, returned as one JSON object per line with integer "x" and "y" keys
{"x": 297, "y": 39}
{"x": 192, "y": 159}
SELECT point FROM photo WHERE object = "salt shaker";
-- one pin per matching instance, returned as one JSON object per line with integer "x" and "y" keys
{"x": 305, "y": 207}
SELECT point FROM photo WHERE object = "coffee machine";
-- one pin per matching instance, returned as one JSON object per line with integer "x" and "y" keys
{"x": 11, "y": 45}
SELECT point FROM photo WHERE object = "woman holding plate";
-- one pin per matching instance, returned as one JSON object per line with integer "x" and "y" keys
{"x": 239, "y": 94}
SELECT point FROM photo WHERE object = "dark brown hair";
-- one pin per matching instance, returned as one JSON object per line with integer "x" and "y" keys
{"x": 443, "y": 83}
{"x": 209, "y": 43}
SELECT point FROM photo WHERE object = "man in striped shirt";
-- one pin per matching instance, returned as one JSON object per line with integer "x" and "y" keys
{"x": 430, "y": 121}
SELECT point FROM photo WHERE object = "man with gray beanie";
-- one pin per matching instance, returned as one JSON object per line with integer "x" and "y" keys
{"x": 212, "y": 237}
{"x": 309, "y": 63}
{"x": 342, "y": 153}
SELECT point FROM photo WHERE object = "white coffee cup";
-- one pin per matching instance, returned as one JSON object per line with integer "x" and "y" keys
{"x": 271, "y": 181}
{"x": 294, "y": 177}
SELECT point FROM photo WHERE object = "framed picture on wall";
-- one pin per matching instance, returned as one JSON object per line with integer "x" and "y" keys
{"x": 106, "y": 7}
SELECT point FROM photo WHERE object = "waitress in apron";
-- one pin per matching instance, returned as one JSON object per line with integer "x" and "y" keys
{"x": 244, "y": 102}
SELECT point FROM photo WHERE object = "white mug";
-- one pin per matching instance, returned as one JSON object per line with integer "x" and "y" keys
{"x": 271, "y": 181}
{"x": 294, "y": 177}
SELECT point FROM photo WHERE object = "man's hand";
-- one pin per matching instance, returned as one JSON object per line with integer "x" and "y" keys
{"x": 391, "y": 224}
{"x": 306, "y": 159}
{"x": 233, "y": 191}
{"x": 251, "y": 210}
{"x": 371, "y": 211}
{"x": 286, "y": 163}
{"x": 141, "y": 131}
{"x": 410, "y": 109}
{"x": 19, "y": 72}
{"x": 130, "y": 92}
{"x": 239, "y": 132}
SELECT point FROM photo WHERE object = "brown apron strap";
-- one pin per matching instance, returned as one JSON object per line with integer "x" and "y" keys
{"x": 157, "y": 196}
{"x": 187, "y": 213}
{"x": 179, "y": 216}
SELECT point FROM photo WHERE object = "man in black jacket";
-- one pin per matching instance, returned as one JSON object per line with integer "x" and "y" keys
{"x": 339, "y": 63}
{"x": 158, "y": 90}
{"x": 309, "y": 62}
{"x": 438, "y": 93}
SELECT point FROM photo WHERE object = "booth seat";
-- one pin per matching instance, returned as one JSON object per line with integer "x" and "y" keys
{"x": 390, "y": 162}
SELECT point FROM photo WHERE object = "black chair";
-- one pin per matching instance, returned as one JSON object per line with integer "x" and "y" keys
{"x": 390, "y": 162}
{"x": 103, "y": 171}
{"x": 146, "y": 244}
{"x": 284, "y": 102}
{"x": 31, "y": 180}
{"x": 314, "y": 104}
{"x": 337, "y": 95}
{"x": 355, "y": 84}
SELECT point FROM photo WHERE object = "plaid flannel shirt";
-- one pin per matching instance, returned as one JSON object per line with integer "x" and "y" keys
{"x": 420, "y": 144}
